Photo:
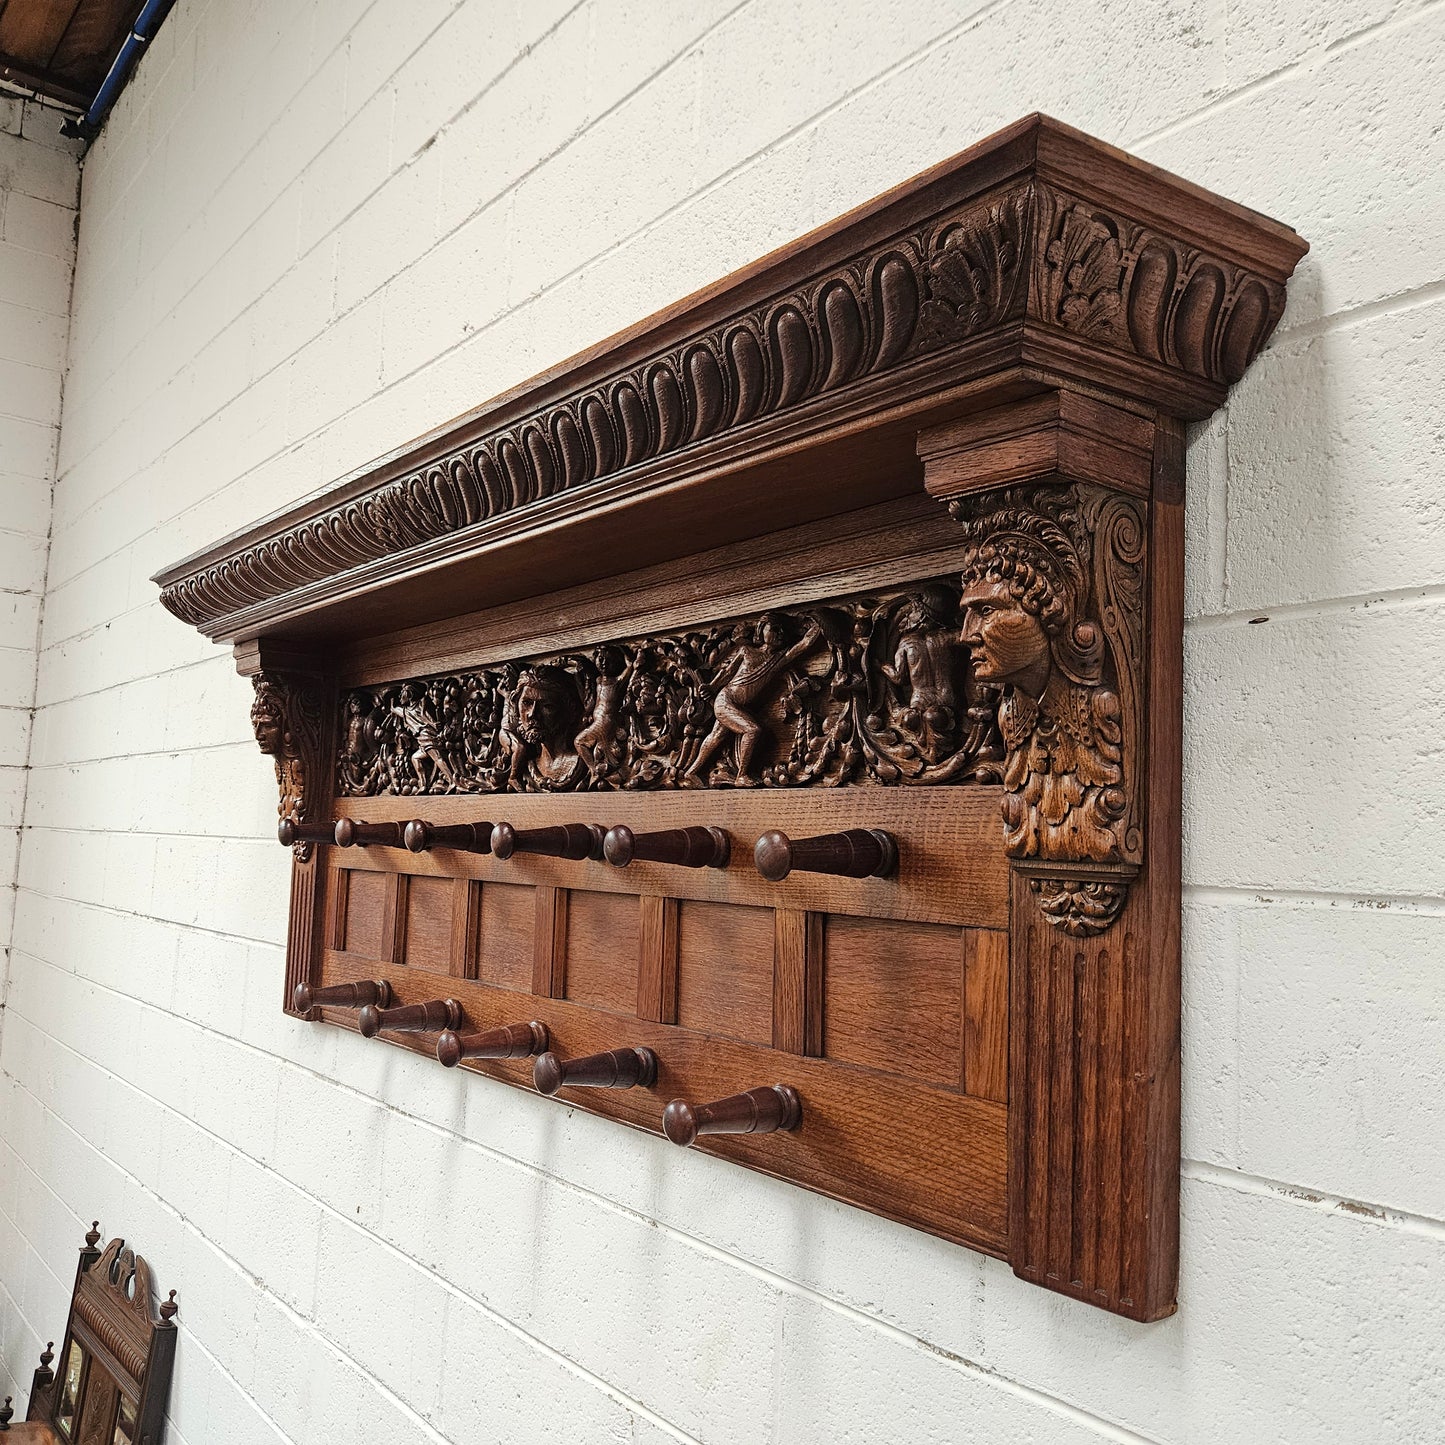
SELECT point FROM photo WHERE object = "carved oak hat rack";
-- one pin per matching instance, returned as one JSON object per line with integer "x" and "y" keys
{"x": 773, "y": 713}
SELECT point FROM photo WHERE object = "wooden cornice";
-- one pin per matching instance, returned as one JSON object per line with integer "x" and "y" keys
{"x": 1037, "y": 259}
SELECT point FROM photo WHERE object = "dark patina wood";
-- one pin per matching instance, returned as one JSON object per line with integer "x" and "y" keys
{"x": 839, "y": 608}
{"x": 116, "y": 1356}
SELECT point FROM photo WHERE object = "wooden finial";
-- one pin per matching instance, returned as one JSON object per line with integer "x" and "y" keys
{"x": 169, "y": 1308}
{"x": 7, "y": 1413}
{"x": 92, "y": 1235}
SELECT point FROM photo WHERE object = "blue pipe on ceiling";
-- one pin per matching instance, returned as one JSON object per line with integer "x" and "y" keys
{"x": 146, "y": 24}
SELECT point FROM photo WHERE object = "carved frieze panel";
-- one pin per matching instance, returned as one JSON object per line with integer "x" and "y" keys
{"x": 860, "y": 690}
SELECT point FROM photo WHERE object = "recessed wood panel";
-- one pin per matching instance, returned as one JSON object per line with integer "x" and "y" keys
{"x": 893, "y": 996}
{"x": 429, "y": 924}
{"x": 504, "y": 956}
{"x": 602, "y": 950}
{"x": 985, "y": 1014}
{"x": 725, "y": 970}
{"x": 367, "y": 896}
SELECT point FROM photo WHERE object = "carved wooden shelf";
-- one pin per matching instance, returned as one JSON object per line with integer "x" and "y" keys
{"x": 699, "y": 578}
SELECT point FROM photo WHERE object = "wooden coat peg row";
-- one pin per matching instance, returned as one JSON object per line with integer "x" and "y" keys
{"x": 614, "y": 1069}
{"x": 353, "y": 833}
{"x": 416, "y": 1018}
{"x": 757, "y": 1111}
{"x": 854, "y": 853}
{"x": 289, "y": 832}
{"x": 566, "y": 840}
{"x": 342, "y": 995}
{"x": 510, "y": 1041}
{"x": 685, "y": 847}
{"x": 421, "y": 836}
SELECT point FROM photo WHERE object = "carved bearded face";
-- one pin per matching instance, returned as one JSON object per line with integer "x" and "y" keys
{"x": 1008, "y": 643}
{"x": 542, "y": 711}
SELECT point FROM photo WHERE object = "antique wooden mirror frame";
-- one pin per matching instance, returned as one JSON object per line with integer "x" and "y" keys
{"x": 116, "y": 1357}
{"x": 869, "y": 559}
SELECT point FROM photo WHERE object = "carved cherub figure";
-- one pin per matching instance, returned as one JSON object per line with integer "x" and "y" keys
{"x": 412, "y": 713}
{"x": 756, "y": 660}
{"x": 1025, "y": 598}
{"x": 923, "y": 662}
{"x": 540, "y": 728}
{"x": 599, "y": 744}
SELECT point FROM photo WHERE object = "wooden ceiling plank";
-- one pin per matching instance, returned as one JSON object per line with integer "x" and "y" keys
{"x": 31, "y": 30}
{"x": 92, "y": 39}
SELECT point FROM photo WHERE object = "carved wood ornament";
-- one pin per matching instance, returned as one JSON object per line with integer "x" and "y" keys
{"x": 875, "y": 801}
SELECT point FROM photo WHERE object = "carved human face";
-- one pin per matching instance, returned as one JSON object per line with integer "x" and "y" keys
{"x": 268, "y": 726}
{"x": 1007, "y": 643}
{"x": 541, "y": 712}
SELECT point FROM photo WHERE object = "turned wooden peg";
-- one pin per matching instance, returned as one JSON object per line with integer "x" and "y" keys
{"x": 615, "y": 1069}
{"x": 566, "y": 840}
{"x": 511, "y": 1041}
{"x": 758, "y": 1111}
{"x": 352, "y": 832}
{"x": 854, "y": 853}
{"x": 421, "y": 836}
{"x": 687, "y": 847}
{"x": 413, "y": 1018}
{"x": 343, "y": 995}
{"x": 289, "y": 831}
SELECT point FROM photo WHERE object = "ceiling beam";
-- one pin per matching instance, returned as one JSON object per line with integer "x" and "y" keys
{"x": 49, "y": 85}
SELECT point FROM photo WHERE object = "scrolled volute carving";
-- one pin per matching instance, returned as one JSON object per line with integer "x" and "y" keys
{"x": 287, "y": 718}
{"x": 857, "y": 690}
{"x": 1052, "y": 602}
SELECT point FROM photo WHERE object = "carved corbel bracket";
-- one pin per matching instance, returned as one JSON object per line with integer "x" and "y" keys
{"x": 288, "y": 717}
{"x": 1052, "y": 496}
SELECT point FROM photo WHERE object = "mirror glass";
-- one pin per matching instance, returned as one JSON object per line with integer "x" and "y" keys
{"x": 125, "y": 1423}
{"x": 69, "y": 1389}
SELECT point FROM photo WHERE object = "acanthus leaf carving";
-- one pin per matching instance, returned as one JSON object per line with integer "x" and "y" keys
{"x": 1115, "y": 281}
{"x": 1052, "y": 601}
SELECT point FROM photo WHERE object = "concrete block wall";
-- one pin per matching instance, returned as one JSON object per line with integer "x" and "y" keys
{"x": 313, "y": 229}
{"x": 39, "y": 191}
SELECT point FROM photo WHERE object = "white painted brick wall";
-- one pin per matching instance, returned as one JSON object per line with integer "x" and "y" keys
{"x": 39, "y": 185}
{"x": 315, "y": 228}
